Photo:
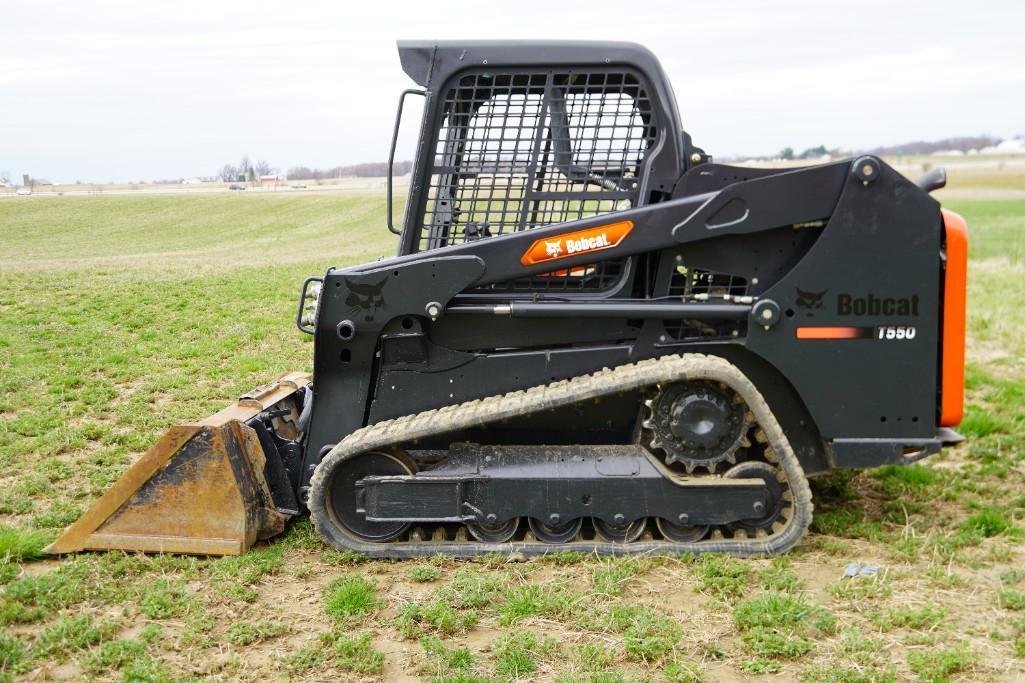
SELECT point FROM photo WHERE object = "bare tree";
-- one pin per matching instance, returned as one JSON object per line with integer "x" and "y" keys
{"x": 245, "y": 169}
{"x": 263, "y": 168}
{"x": 228, "y": 173}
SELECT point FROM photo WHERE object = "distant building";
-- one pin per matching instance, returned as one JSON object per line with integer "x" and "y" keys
{"x": 1008, "y": 146}
{"x": 272, "y": 179}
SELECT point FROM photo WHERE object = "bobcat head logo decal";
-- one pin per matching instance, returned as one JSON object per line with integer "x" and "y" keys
{"x": 365, "y": 296}
{"x": 810, "y": 301}
{"x": 553, "y": 249}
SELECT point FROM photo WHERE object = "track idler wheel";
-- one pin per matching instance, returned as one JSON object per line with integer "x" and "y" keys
{"x": 494, "y": 533}
{"x": 627, "y": 532}
{"x": 342, "y": 493}
{"x": 556, "y": 533}
{"x": 776, "y": 506}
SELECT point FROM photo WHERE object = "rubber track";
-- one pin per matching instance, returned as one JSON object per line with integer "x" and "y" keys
{"x": 607, "y": 381}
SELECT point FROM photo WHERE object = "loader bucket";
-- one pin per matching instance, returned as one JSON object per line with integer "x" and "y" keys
{"x": 205, "y": 488}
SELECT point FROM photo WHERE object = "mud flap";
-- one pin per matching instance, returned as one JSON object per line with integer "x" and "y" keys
{"x": 200, "y": 490}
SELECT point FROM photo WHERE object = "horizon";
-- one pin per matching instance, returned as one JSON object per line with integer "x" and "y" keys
{"x": 127, "y": 93}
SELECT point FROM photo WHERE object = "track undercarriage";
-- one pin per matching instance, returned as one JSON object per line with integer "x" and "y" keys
{"x": 377, "y": 494}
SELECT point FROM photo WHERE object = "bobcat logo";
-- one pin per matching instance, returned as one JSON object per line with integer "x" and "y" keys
{"x": 365, "y": 297}
{"x": 810, "y": 301}
{"x": 553, "y": 249}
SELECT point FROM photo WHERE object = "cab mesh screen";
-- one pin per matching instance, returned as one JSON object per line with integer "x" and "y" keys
{"x": 520, "y": 150}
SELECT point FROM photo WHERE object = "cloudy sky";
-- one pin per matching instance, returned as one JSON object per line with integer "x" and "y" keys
{"x": 139, "y": 90}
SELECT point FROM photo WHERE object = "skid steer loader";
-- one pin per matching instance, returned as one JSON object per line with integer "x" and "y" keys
{"x": 592, "y": 338}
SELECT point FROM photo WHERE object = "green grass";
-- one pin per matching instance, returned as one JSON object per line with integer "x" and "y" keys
{"x": 781, "y": 625}
{"x": 357, "y": 654}
{"x": 130, "y": 657}
{"x": 123, "y": 315}
{"x": 927, "y": 617}
{"x": 152, "y": 232}
{"x": 1011, "y": 599}
{"x": 304, "y": 659}
{"x": 592, "y": 657}
{"x": 780, "y": 576}
{"x": 517, "y": 653}
{"x": 423, "y": 573}
{"x": 12, "y": 653}
{"x": 473, "y": 588}
{"x": 648, "y": 635}
{"x": 611, "y": 576}
{"x": 722, "y": 577}
{"x": 417, "y": 619}
{"x": 164, "y": 599}
{"x": 349, "y": 597}
{"x": 994, "y": 227}
{"x": 445, "y": 660}
{"x": 683, "y": 672}
{"x": 68, "y": 634}
{"x": 860, "y": 588}
{"x": 991, "y": 522}
{"x": 537, "y": 600}
{"x": 247, "y": 633}
{"x": 936, "y": 666}
{"x": 18, "y": 545}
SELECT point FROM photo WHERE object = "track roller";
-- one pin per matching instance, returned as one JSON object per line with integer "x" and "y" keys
{"x": 558, "y": 533}
{"x": 494, "y": 533}
{"x": 620, "y": 533}
{"x": 680, "y": 533}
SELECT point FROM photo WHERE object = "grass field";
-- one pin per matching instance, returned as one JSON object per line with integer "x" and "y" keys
{"x": 123, "y": 315}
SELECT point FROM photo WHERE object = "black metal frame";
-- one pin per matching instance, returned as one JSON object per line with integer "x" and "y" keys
{"x": 490, "y": 485}
{"x": 391, "y": 154}
{"x": 751, "y": 241}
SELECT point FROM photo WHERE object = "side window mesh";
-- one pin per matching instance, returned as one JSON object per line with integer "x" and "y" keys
{"x": 520, "y": 150}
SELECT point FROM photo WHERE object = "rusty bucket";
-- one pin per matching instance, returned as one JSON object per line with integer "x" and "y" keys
{"x": 202, "y": 489}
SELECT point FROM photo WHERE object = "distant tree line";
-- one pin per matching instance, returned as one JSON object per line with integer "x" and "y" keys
{"x": 963, "y": 144}
{"x": 788, "y": 154}
{"x": 248, "y": 171}
{"x": 377, "y": 169}
{"x": 245, "y": 171}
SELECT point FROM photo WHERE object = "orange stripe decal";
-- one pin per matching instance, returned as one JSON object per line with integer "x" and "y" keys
{"x": 954, "y": 302}
{"x": 829, "y": 333}
{"x": 574, "y": 243}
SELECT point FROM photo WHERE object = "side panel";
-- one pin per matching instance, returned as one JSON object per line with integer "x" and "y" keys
{"x": 875, "y": 268}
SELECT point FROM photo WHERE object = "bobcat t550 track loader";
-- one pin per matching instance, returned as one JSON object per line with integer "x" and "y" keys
{"x": 592, "y": 338}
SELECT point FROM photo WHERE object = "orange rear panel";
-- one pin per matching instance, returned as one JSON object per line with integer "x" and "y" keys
{"x": 954, "y": 304}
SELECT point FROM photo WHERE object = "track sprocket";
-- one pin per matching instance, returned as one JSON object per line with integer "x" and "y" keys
{"x": 697, "y": 424}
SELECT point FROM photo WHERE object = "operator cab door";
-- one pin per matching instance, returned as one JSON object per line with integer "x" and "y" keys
{"x": 514, "y": 149}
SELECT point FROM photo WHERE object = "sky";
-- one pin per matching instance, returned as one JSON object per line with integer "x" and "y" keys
{"x": 111, "y": 91}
